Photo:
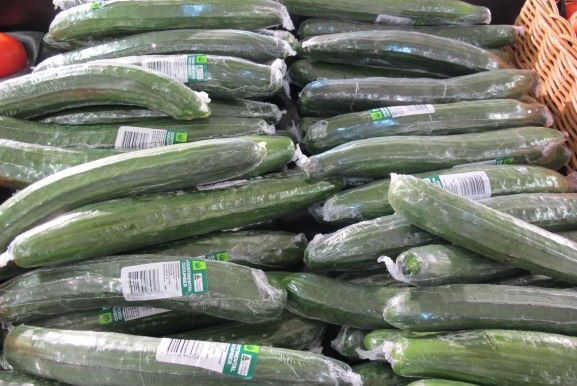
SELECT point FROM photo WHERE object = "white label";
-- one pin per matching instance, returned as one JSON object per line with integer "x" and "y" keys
{"x": 473, "y": 185}
{"x": 176, "y": 66}
{"x": 399, "y": 111}
{"x": 206, "y": 355}
{"x": 500, "y": 161}
{"x": 151, "y": 281}
{"x": 134, "y": 138}
{"x": 133, "y": 313}
{"x": 389, "y": 19}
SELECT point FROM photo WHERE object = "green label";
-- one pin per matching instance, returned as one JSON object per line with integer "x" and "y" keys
{"x": 504, "y": 161}
{"x": 197, "y": 68}
{"x": 380, "y": 114}
{"x": 435, "y": 180}
{"x": 105, "y": 317}
{"x": 96, "y": 5}
{"x": 220, "y": 256}
{"x": 241, "y": 360}
{"x": 173, "y": 137}
{"x": 194, "y": 280}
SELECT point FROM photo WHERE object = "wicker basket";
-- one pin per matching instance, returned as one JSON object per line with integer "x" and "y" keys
{"x": 549, "y": 47}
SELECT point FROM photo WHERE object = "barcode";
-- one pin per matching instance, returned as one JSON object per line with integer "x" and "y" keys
{"x": 135, "y": 138}
{"x": 470, "y": 187}
{"x": 175, "y": 67}
{"x": 181, "y": 347}
{"x": 398, "y": 111}
{"x": 474, "y": 185}
{"x": 146, "y": 282}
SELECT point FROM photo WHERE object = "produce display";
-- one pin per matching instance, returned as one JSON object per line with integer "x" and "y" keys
{"x": 284, "y": 192}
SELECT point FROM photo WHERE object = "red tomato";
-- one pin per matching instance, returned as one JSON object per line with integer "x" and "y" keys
{"x": 12, "y": 55}
{"x": 570, "y": 8}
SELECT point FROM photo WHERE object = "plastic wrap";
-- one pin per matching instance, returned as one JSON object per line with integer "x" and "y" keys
{"x": 135, "y": 16}
{"x": 340, "y": 96}
{"x": 68, "y": 356}
{"x": 347, "y": 341}
{"x": 377, "y": 373}
{"x": 439, "y": 382}
{"x": 18, "y": 378}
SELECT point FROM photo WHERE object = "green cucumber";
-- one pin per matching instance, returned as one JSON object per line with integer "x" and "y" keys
{"x": 139, "y": 221}
{"x": 257, "y": 248}
{"x": 394, "y": 11}
{"x": 375, "y": 277}
{"x": 440, "y": 382}
{"x": 17, "y": 378}
{"x": 337, "y": 302}
{"x": 280, "y": 151}
{"x": 378, "y": 157}
{"x": 470, "y": 224}
{"x": 347, "y": 341}
{"x": 288, "y": 331}
{"x": 68, "y": 356}
{"x": 340, "y": 96}
{"x": 228, "y": 42}
{"x": 232, "y": 291}
{"x": 131, "y": 136}
{"x": 439, "y": 264}
{"x": 99, "y": 84}
{"x": 359, "y": 245}
{"x": 305, "y": 71}
{"x": 393, "y": 49}
{"x": 533, "y": 280}
{"x": 219, "y": 76}
{"x": 162, "y": 168}
{"x": 369, "y": 201}
{"x": 375, "y": 373}
{"x": 23, "y": 164}
{"x": 479, "y": 306}
{"x": 436, "y": 119}
{"x": 487, "y": 357}
{"x": 486, "y": 36}
{"x": 129, "y": 17}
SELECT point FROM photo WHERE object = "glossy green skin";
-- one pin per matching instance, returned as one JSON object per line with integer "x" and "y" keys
{"x": 340, "y": 96}
{"x": 471, "y": 224}
{"x": 119, "y": 17}
{"x": 378, "y": 157}
{"x": 242, "y": 44}
{"x": 420, "y": 11}
{"x": 14, "y": 378}
{"x": 337, "y": 302}
{"x": 447, "y": 119}
{"x": 139, "y": 221}
{"x": 347, "y": 341}
{"x": 69, "y": 355}
{"x": 376, "y": 373}
{"x": 163, "y": 168}
{"x": 370, "y": 200}
{"x": 486, "y": 36}
{"x": 488, "y": 357}
{"x": 92, "y": 84}
{"x": 234, "y": 292}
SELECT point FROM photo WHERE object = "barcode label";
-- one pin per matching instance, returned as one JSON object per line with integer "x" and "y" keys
{"x": 125, "y": 314}
{"x": 499, "y": 161}
{"x": 164, "y": 280}
{"x": 473, "y": 185}
{"x": 136, "y": 138}
{"x": 231, "y": 359}
{"x": 184, "y": 68}
{"x": 400, "y": 111}
{"x": 389, "y": 19}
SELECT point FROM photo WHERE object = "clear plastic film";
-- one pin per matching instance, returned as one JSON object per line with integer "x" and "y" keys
{"x": 347, "y": 341}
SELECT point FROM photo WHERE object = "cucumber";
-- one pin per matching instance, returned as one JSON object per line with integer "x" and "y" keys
{"x": 22, "y": 164}
{"x": 358, "y": 246}
{"x": 340, "y": 96}
{"x": 139, "y": 171}
{"x": 304, "y": 71}
{"x": 231, "y": 291}
{"x": 219, "y": 76}
{"x": 486, "y": 36}
{"x": 440, "y": 382}
{"x": 347, "y": 341}
{"x": 478, "y": 306}
{"x": 375, "y": 277}
{"x": 337, "y": 302}
{"x": 280, "y": 151}
{"x": 394, "y": 11}
{"x": 378, "y": 157}
{"x": 129, "y": 319}
{"x": 129, "y": 17}
{"x": 227, "y": 42}
{"x": 438, "y": 264}
{"x": 487, "y": 357}
{"x": 68, "y": 356}
{"x": 394, "y": 49}
{"x": 17, "y": 378}
{"x": 288, "y": 331}
{"x": 369, "y": 201}
{"x": 376, "y": 373}
{"x": 262, "y": 249}
{"x": 131, "y": 136}
{"x": 533, "y": 280}
{"x": 453, "y": 218}
{"x": 437, "y": 119}
{"x": 136, "y": 222}
{"x": 97, "y": 84}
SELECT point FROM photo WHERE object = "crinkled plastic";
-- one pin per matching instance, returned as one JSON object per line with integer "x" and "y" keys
{"x": 347, "y": 341}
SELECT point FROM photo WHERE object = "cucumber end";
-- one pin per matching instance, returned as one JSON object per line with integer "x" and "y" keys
{"x": 395, "y": 272}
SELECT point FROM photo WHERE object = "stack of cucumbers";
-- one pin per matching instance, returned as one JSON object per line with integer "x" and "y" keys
{"x": 291, "y": 192}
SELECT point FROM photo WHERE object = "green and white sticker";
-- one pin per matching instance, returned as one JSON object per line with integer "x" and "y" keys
{"x": 390, "y": 19}
{"x": 400, "y": 111}
{"x": 498, "y": 161}
{"x": 164, "y": 280}
{"x": 184, "y": 68}
{"x": 473, "y": 185}
{"x": 220, "y": 256}
{"x": 235, "y": 360}
{"x": 136, "y": 138}
{"x": 115, "y": 314}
